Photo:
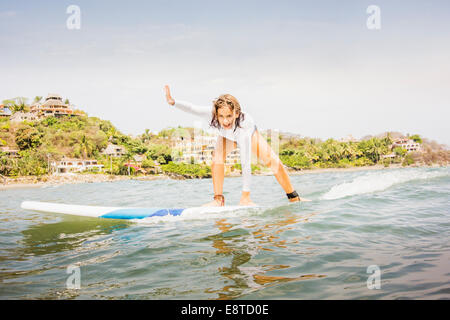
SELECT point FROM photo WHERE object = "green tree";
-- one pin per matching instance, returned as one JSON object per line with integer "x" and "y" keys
{"x": 128, "y": 157}
{"x": 408, "y": 160}
{"x": 159, "y": 153}
{"x": 416, "y": 138}
{"x": 147, "y": 163}
{"x": 17, "y": 104}
{"x": 49, "y": 121}
{"x": 6, "y": 164}
{"x": 372, "y": 149}
{"x": 399, "y": 151}
{"x": 37, "y": 99}
{"x": 146, "y": 136}
{"x": 28, "y": 137}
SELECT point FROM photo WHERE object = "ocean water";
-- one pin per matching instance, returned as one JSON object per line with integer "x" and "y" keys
{"x": 377, "y": 234}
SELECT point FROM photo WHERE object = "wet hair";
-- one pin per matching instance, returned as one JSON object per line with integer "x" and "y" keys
{"x": 226, "y": 100}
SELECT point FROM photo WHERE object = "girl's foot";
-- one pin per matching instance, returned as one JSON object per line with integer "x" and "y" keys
{"x": 219, "y": 201}
{"x": 214, "y": 203}
{"x": 296, "y": 199}
{"x": 247, "y": 203}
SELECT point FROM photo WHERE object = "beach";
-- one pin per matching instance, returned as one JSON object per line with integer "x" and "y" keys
{"x": 68, "y": 178}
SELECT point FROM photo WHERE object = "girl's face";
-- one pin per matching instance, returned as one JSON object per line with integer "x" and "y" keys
{"x": 226, "y": 117}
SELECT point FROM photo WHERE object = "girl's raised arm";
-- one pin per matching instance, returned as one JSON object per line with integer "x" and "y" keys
{"x": 168, "y": 96}
{"x": 204, "y": 112}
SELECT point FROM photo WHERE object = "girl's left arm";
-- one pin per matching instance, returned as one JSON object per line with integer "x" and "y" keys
{"x": 245, "y": 146}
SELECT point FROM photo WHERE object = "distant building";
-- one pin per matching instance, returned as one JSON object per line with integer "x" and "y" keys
{"x": 388, "y": 156}
{"x": 408, "y": 144}
{"x": 53, "y": 106}
{"x": 201, "y": 151}
{"x": 285, "y": 135}
{"x": 138, "y": 158}
{"x": 14, "y": 153}
{"x": 5, "y": 112}
{"x": 21, "y": 116}
{"x": 349, "y": 138}
{"x": 137, "y": 163}
{"x": 75, "y": 165}
{"x": 114, "y": 150}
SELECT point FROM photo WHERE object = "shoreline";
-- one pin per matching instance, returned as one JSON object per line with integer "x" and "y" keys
{"x": 68, "y": 178}
{"x": 73, "y": 178}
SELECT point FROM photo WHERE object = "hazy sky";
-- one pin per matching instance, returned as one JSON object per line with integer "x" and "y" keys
{"x": 308, "y": 67}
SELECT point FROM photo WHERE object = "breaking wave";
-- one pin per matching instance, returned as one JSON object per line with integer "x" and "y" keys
{"x": 379, "y": 181}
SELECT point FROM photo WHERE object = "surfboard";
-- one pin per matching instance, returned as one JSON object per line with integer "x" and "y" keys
{"x": 121, "y": 212}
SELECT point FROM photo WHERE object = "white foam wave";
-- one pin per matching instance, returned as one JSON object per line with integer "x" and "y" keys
{"x": 378, "y": 181}
{"x": 202, "y": 215}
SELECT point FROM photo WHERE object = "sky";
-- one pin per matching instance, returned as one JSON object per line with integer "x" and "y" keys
{"x": 308, "y": 67}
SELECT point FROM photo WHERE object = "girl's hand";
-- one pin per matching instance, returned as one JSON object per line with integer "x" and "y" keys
{"x": 168, "y": 97}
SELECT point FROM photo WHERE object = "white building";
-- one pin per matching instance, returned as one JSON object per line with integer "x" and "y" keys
{"x": 10, "y": 152}
{"x": 408, "y": 144}
{"x": 200, "y": 150}
{"x": 5, "y": 112}
{"x": 21, "y": 116}
{"x": 75, "y": 165}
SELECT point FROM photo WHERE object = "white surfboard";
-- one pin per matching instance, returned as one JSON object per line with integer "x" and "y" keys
{"x": 121, "y": 212}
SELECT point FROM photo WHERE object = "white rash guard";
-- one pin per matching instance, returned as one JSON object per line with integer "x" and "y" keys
{"x": 242, "y": 136}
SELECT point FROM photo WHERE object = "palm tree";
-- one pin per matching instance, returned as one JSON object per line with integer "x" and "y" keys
{"x": 37, "y": 99}
{"x": 128, "y": 157}
{"x": 146, "y": 136}
{"x": 375, "y": 149}
{"x": 347, "y": 151}
{"x": 86, "y": 147}
{"x": 16, "y": 104}
{"x": 20, "y": 104}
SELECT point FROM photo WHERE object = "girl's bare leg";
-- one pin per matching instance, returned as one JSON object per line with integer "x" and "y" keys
{"x": 264, "y": 152}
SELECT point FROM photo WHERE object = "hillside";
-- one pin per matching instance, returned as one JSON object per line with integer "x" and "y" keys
{"x": 82, "y": 137}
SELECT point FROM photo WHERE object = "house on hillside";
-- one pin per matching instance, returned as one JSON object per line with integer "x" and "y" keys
{"x": 21, "y": 116}
{"x": 75, "y": 165}
{"x": 52, "y": 106}
{"x": 388, "y": 156}
{"x": 408, "y": 144}
{"x": 114, "y": 150}
{"x": 153, "y": 169}
{"x": 13, "y": 153}
{"x": 5, "y": 112}
{"x": 138, "y": 158}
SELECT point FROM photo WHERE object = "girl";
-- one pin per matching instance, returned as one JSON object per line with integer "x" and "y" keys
{"x": 236, "y": 129}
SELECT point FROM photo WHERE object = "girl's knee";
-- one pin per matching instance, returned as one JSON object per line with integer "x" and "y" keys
{"x": 273, "y": 160}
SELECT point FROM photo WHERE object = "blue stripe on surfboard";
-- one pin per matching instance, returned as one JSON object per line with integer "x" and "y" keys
{"x": 140, "y": 213}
